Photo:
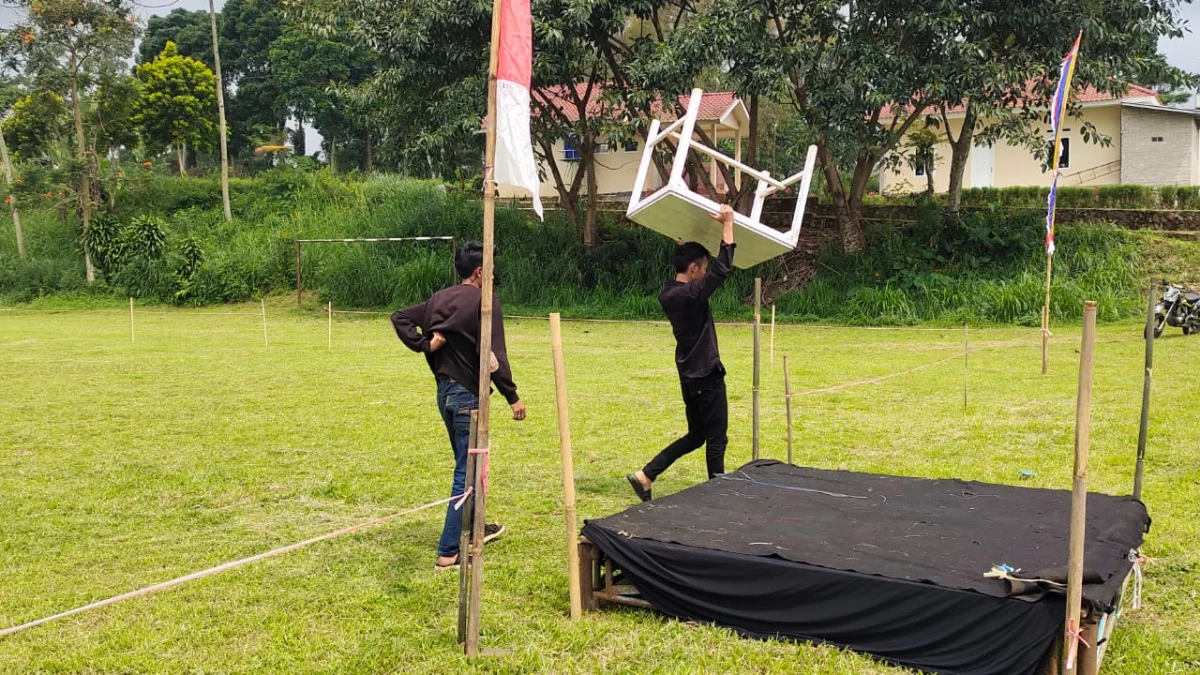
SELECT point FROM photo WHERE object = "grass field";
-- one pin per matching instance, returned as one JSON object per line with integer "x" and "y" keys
{"x": 122, "y": 465}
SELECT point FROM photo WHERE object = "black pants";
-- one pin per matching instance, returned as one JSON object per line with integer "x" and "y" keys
{"x": 708, "y": 423}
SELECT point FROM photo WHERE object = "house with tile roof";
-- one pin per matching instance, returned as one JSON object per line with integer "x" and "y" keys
{"x": 1152, "y": 144}
{"x": 723, "y": 117}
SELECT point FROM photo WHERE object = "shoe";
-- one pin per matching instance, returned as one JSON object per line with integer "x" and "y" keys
{"x": 492, "y": 531}
{"x": 643, "y": 494}
{"x": 451, "y": 566}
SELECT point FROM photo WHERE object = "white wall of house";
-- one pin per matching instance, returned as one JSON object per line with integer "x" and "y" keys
{"x": 1007, "y": 165}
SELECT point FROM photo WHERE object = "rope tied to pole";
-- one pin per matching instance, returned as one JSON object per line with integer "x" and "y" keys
{"x": 486, "y": 452}
{"x": 1074, "y": 635}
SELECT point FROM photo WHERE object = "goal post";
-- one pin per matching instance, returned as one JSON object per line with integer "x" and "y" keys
{"x": 365, "y": 240}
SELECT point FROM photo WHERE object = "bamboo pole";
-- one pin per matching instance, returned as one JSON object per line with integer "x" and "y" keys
{"x": 329, "y": 310}
{"x": 1046, "y": 318}
{"x": 772, "y": 334}
{"x": 1083, "y": 422}
{"x": 757, "y": 359}
{"x": 1144, "y": 425}
{"x": 263, "y": 304}
{"x": 787, "y": 397}
{"x": 485, "y": 336}
{"x": 298, "y": 244}
{"x": 966, "y": 357}
{"x": 16, "y": 213}
{"x": 568, "y": 464}
{"x": 464, "y": 556}
{"x": 212, "y": 17}
{"x": 132, "y": 335}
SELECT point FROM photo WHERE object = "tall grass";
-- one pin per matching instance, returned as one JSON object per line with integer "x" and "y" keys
{"x": 987, "y": 267}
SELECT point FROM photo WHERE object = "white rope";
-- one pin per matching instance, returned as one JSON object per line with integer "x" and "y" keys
{"x": 219, "y": 568}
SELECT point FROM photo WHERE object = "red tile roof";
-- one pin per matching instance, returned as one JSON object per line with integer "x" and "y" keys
{"x": 712, "y": 104}
{"x": 1088, "y": 94}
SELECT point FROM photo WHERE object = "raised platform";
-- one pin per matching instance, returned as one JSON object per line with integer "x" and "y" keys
{"x": 890, "y": 566}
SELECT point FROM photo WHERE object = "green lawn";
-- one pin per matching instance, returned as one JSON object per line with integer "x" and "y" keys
{"x": 122, "y": 465}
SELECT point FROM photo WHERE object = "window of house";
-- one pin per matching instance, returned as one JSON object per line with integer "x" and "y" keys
{"x": 570, "y": 151}
{"x": 1156, "y": 139}
{"x": 1064, "y": 153}
{"x": 630, "y": 145}
{"x": 924, "y": 159}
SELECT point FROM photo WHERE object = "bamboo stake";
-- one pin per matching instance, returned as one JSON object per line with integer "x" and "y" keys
{"x": 1046, "y": 318}
{"x": 1083, "y": 422}
{"x": 757, "y": 359}
{"x": 298, "y": 280}
{"x": 568, "y": 464}
{"x": 132, "y": 337}
{"x": 212, "y": 17}
{"x": 1144, "y": 425}
{"x": 329, "y": 309}
{"x": 787, "y": 397}
{"x": 485, "y": 336}
{"x": 966, "y": 357}
{"x": 263, "y": 304}
{"x": 772, "y": 334}
{"x": 464, "y": 556}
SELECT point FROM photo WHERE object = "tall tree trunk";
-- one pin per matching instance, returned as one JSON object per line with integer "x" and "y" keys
{"x": 181, "y": 152}
{"x": 85, "y": 180}
{"x": 333, "y": 153}
{"x": 593, "y": 198}
{"x": 746, "y": 193}
{"x": 929, "y": 187}
{"x": 369, "y": 161}
{"x": 849, "y": 212}
{"x": 12, "y": 200}
{"x": 212, "y": 18}
{"x": 960, "y": 152}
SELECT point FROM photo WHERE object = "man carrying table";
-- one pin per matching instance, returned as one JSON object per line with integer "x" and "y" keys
{"x": 701, "y": 373}
{"x": 445, "y": 329}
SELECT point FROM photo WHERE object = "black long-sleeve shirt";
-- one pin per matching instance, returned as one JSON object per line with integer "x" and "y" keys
{"x": 686, "y": 305}
{"x": 455, "y": 313}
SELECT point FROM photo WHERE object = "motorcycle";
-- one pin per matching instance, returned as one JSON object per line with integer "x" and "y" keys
{"x": 1177, "y": 308}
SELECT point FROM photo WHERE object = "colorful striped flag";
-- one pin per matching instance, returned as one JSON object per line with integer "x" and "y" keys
{"x": 1057, "y": 112}
{"x": 515, "y": 164}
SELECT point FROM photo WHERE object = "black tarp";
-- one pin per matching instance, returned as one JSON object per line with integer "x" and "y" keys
{"x": 885, "y": 565}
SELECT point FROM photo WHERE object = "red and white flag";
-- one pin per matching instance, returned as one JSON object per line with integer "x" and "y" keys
{"x": 515, "y": 165}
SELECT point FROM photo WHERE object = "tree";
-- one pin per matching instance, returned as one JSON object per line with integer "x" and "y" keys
{"x": 256, "y": 108}
{"x": 178, "y": 104}
{"x": 38, "y": 121}
{"x": 1005, "y": 73}
{"x": 222, "y": 126}
{"x": 190, "y": 31}
{"x": 68, "y": 44}
{"x": 111, "y": 113}
{"x": 314, "y": 72}
{"x": 9, "y": 93}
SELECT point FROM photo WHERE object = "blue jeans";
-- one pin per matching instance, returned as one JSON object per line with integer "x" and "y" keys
{"x": 455, "y": 404}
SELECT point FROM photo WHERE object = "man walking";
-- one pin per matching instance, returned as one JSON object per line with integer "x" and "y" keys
{"x": 701, "y": 374}
{"x": 445, "y": 329}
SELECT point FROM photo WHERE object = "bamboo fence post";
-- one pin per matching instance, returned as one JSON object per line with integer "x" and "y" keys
{"x": 298, "y": 272}
{"x": 568, "y": 464}
{"x": 757, "y": 359}
{"x": 329, "y": 310}
{"x": 1083, "y": 422}
{"x": 1046, "y": 316}
{"x": 263, "y": 304}
{"x": 485, "y": 339}
{"x": 772, "y": 334}
{"x": 464, "y": 556}
{"x": 787, "y": 397}
{"x": 966, "y": 358}
{"x": 132, "y": 338}
{"x": 1144, "y": 425}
